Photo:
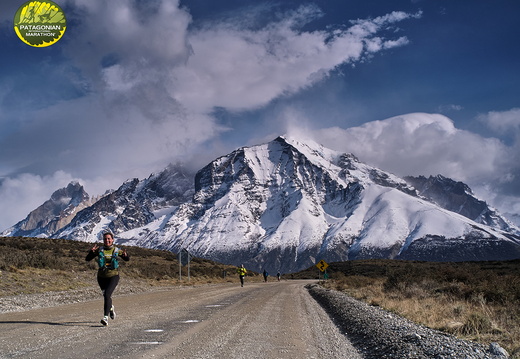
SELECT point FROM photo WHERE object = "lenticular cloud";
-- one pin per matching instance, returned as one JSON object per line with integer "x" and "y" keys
{"x": 421, "y": 144}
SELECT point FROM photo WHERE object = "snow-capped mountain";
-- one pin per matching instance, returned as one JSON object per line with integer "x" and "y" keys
{"x": 70, "y": 214}
{"x": 289, "y": 203}
{"x": 134, "y": 204}
{"x": 286, "y": 204}
{"x": 458, "y": 197}
{"x": 53, "y": 214}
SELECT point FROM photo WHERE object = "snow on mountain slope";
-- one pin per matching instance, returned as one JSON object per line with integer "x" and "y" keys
{"x": 53, "y": 214}
{"x": 458, "y": 197}
{"x": 288, "y": 203}
{"x": 134, "y": 204}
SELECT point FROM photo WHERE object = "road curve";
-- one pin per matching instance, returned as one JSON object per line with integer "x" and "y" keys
{"x": 260, "y": 320}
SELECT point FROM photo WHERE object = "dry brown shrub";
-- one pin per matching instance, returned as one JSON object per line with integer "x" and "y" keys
{"x": 21, "y": 258}
{"x": 477, "y": 301}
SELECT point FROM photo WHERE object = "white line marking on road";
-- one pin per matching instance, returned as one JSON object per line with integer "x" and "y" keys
{"x": 154, "y": 330}
{"x": 191, "y": 321}
{"x": 146, "y": 343}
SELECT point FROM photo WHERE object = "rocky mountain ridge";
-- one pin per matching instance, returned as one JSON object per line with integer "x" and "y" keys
{"x": 457, "y": 197}
{"x": 286, "y": 204}
{"x": 54, "y": 213}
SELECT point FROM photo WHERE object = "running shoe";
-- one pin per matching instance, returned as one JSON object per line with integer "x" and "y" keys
{"x": 112, "y": 313}
{"x": 104, "y": 321}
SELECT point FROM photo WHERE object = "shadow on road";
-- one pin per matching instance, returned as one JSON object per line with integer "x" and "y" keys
{"x": 68, "y": 324}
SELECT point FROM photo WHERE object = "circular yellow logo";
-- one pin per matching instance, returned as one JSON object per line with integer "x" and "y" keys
{"x": 40, "y": 23}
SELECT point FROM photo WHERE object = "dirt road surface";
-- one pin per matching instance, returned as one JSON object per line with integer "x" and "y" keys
{"x": 260, "y": 320}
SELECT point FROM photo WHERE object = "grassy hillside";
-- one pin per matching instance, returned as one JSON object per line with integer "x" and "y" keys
{"x": 474, "y": 300}
{"x": 34, "y": 265}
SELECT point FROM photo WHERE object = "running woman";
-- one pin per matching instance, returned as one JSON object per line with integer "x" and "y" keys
{"x": 108, "y": 272}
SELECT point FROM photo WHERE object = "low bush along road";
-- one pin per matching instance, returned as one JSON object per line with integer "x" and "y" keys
{"x": 260, "y": 320}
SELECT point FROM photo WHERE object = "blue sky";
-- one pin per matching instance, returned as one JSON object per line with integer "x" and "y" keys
{"x": 413, "y": 87}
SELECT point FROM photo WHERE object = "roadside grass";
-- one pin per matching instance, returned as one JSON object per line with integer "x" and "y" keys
{"x": 36, "y": 265}
{"x": 479, "y": 301}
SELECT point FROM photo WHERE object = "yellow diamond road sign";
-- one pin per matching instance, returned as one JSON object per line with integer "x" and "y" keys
{"x": 322, "y": 265}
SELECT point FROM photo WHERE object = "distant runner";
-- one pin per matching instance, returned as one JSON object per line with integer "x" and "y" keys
{"x": 108, "y": 272}
{"x": 265, "y": 275}
{"x": 241, "y": 274}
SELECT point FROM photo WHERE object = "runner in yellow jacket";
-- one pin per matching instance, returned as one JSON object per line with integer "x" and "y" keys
{"x": 241, "y": 274}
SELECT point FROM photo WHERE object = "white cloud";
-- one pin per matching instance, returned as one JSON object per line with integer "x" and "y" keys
{"x": 502, "y": 121}
{"x": 366, "y": 27}
{"x": 240, "y": 68}
{"x": 140, "y": 36}
{"x": 422, "y": 144}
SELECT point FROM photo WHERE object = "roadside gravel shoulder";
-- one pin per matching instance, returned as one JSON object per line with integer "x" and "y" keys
{"x": 380, "y": 334}
{"x": 22, "y": 302}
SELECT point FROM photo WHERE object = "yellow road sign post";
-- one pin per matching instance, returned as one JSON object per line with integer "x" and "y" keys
{"x": 322, "y": 266}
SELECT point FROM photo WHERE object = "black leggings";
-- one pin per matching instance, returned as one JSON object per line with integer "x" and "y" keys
{"x": 108, "y": 285}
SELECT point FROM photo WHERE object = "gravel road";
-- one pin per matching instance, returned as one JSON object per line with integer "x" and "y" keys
{"x": 261, "y": 320}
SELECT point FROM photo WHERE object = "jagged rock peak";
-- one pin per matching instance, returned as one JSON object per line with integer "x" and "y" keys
{"x": 54, "y": 213}
{"x": 458, "y": 197}
{"x": 134, "y": 204}
{"x": 74, "y": 190}
{"x": 439, "y": 180}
